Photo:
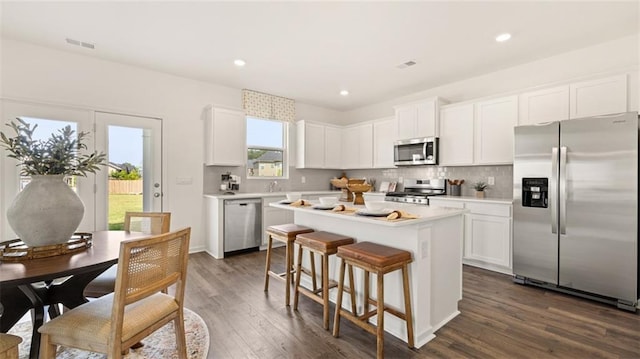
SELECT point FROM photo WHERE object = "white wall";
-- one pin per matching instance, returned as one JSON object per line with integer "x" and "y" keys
{"x": 609, "y": 57}
{"x": 50, "y": 76}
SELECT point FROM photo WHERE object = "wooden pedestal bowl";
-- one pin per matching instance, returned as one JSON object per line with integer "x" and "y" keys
{"x": 358, "y": 189}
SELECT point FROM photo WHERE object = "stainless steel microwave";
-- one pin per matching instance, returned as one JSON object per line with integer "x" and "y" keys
{"x": 416, "y": 151}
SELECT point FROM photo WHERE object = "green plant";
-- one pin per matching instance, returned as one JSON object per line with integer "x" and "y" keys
{"x": 128, "y": 173}
{"x": 60, "y": 154}
{"x": 479, "y": 186}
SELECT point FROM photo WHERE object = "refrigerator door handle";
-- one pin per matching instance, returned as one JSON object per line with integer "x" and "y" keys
{"x": 553, "y": 191}
{"x": 563, "y": 190}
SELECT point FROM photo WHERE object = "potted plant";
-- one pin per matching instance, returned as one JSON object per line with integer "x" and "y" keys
{"x": 47, "y": 211}
{"x": 479, "y": 187}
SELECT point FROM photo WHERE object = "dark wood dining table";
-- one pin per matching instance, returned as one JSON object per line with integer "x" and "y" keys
{"x": 32, "y": 285}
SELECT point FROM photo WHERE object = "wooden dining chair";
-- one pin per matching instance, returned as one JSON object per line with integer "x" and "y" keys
{"x": 9, "y": 346}
{"x": 113, "y": 323}
{"x": 145, "y": 222}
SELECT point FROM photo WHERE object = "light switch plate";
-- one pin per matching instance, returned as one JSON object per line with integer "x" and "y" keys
{"x": 491, "y": 181}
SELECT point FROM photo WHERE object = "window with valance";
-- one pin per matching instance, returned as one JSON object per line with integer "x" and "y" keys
{"x": 267, "y": 119}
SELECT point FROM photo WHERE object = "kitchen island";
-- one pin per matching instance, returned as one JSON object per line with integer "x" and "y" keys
{"x": 435, "y": 241}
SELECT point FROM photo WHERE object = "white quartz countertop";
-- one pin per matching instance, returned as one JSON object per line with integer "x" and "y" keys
{"x": 474, "y": 199}
{"x": 269, "y": 194}
{"x": 425, "y": 213}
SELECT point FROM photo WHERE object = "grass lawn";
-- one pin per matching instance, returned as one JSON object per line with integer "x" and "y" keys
{"x": 120, "y": 203}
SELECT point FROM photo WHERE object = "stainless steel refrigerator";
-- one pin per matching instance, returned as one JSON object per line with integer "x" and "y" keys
{"x": 575, "y": 210}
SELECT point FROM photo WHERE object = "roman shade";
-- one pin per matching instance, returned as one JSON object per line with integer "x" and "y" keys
{"x": 262, "y": 105}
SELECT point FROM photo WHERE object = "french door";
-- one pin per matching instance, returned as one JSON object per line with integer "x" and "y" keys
{"x": 133, "y": 181}
{"x": 49, "y": 119}
{"x": 132, "y": 141}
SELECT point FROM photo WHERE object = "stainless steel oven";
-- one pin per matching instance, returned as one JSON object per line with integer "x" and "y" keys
{"x": 418, "y": 191}
{"x": 416, "y": 151}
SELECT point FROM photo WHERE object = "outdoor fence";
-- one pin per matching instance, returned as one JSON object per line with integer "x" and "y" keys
{"x": 125, "y": 186}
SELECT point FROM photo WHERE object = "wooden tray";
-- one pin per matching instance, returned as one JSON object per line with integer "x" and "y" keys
{"x": 15, "y": 250}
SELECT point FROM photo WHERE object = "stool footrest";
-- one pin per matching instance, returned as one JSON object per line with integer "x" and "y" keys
{"x": 367, "y": 315}
{"x": 306, "y": 271}
{"x": 281, "y": 276}
{"x": 357, "y": 321}
{"x": 317, "y": 293}
{"x": 388, "y": 309}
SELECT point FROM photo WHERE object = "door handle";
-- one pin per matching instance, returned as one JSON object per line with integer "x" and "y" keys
{"x": 563, "y": 190}
{"x": 553, "y": 191}
{"x": 156, "y": 195}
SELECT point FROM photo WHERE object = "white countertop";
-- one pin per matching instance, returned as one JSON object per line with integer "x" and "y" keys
{"x": 474, "y": 199}
{"x": 426, "y": 214}
{"x": 269, "y": 194}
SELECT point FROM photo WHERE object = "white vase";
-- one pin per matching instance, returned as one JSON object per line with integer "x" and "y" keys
{"x": 47, "y": 211}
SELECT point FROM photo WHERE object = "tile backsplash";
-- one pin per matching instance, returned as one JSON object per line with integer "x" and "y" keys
{"x": 319, "y": 179}
{"x": 503, "y": 176}
{"x": 314, "y": 180}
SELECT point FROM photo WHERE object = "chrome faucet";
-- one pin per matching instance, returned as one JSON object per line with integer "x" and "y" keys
{"x": 272, "y": 185}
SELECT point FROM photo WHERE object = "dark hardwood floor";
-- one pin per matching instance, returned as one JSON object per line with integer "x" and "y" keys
{"x": 499, "y": 319}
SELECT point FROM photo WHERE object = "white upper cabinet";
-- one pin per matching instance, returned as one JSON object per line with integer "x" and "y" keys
{"x": 309, "y": 145}
{"x": 418, "y": 119}
{"x": 332, "y": 147}
{"x": 365, "y": 157}
{"x": 598, "y": 97}
{"x": 494, "y": 124}
{"x": 545, "y": 105}
{"x": 456, "y": 135}
{"x": 318, "y": 145}
{"x": 384, "y": 134}
{"x": 350, "y": 147}
{"x": 225, "y": 137}
{"x": 357, "y": 146}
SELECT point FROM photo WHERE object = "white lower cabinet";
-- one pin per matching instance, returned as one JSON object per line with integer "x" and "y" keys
{"x": 273, "y": 216}
{"x": 487, "y": 241}
{"x": 487, "y": 233}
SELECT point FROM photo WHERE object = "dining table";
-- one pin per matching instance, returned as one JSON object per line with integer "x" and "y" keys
{"x": 36, "y": 283}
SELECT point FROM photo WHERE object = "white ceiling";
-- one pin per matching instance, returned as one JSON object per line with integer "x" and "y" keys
{"x": 309, "y": 51}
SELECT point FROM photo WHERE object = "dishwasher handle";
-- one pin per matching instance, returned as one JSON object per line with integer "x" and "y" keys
{"x": 242, "y": 202}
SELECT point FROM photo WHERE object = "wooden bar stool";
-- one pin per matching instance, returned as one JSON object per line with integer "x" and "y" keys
{"x": 285, "y": 233}
{"x": 9, "y": 346}
{"x": 377, "y": 259}
{"x": 324, "y": 244}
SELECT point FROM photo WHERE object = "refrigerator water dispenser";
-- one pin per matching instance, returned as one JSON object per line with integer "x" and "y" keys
{"x": 535, "y": 192}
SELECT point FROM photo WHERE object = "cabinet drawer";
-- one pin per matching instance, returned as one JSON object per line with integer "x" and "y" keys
{"x": 445, "y": 203}
{"x": 501, "y": 210}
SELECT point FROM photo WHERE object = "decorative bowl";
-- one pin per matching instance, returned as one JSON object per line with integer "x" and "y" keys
{"x": 359, "y": 187}
{"x": 339, "y": 182}
{"x": 293, "y": 196}
{"x": 328, "y": 201}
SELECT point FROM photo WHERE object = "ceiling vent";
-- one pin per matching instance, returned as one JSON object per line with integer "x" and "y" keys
{"x": 406, "y": 64}
{"x": 88, "y": 45}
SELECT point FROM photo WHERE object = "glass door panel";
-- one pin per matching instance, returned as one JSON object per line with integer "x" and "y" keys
{"x": 133, "y": 180}
{"x": 49, "y": 119}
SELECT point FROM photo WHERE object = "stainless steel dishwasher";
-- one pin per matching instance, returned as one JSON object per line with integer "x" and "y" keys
{"x": 242, "y": 224}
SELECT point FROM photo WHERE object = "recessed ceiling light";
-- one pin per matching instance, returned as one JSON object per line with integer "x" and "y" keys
{"x": 239, "y": 62}
{"x": 503, "y": 37}
{"x": 344, "y": 93}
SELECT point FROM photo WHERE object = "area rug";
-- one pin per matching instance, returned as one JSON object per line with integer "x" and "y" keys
{"x": 160, "y": 344}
